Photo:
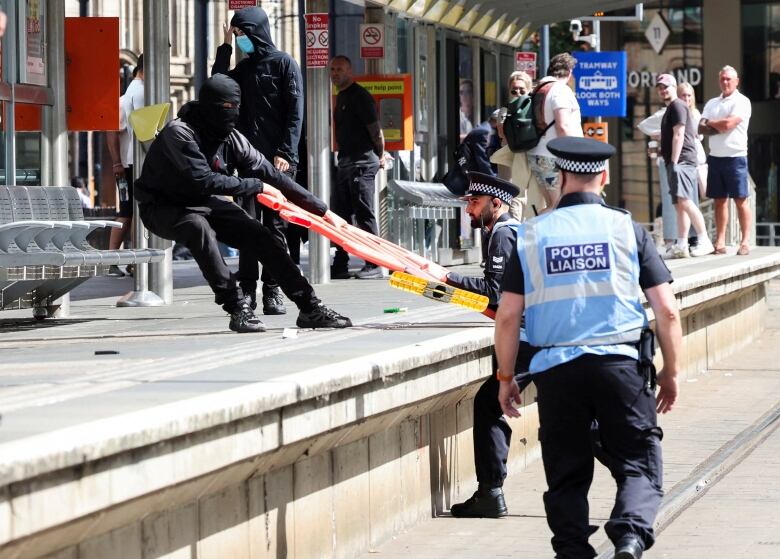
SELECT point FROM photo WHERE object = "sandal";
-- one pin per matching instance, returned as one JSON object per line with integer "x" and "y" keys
{"x": 744, "y": 250}
{"x": 719, "y": 250}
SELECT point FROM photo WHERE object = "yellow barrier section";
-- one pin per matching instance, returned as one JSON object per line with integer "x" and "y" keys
{"x": 438, "y": 291}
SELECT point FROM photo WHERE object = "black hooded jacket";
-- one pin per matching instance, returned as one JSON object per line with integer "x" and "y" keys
{"x": 185, "y": 165}
{"x": 271, "y": 89}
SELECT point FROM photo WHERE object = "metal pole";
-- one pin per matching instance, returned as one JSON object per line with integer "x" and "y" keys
{"x": 55, "y": 122}
{"x": 597, "y": 47}
{"x": 140, "y": 296}
{"x": 319, "y": 154}
{"x": 544, "y": 59}
{"x": 157, "y": 89}
{"x": 9, "y": 72}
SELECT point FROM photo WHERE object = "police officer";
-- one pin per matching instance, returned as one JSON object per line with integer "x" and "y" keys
{"x": 196, "y": 159}
{"x": 488, "y": 200}
{"x": 577, "y": 275}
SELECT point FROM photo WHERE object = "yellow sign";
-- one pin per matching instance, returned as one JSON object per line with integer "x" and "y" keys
{"x": 392, "y": 134}
{"x": 384, "y": 88}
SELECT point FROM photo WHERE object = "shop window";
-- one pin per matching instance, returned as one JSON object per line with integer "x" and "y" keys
{"x": 761, "y": 50}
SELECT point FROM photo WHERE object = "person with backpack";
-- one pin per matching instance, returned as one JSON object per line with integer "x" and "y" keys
{"x": 555, "y": 113}
{"x": 513, "y": 163}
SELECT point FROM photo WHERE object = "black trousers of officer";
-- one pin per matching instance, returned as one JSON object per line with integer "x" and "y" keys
{"x": 248, "y": 272}
{"x": 492, "y": 434}
{"x": 354, "y": 196}
{"x": 611, "y": 390}
{"x": 201, "y": 229}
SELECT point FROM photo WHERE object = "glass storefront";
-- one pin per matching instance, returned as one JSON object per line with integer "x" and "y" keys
{"x": 682, "y": 56}
{"x": 761, "y": 54}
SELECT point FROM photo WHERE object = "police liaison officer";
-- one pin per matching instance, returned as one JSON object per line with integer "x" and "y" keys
{"x": 577, "y": 275}
{"x": 200, "y": 157}
{"x": 488, "y": 200}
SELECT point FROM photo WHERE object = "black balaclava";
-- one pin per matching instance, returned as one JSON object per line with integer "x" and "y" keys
{"x": 253, "y": 22}
{"x": 215, "y": 119}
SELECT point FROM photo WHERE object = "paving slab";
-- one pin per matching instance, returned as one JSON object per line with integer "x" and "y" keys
{"x": 711, "y": 411}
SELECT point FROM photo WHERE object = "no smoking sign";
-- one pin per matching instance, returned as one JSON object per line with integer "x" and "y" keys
{"x": 372, "y": 40}
{"x": 317, "y": 53}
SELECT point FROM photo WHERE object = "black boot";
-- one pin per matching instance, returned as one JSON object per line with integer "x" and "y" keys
{"x": 273, "y": 302}
{"x": 629, "y": 547}
{"x": 243, "y": 320}
{"x": 322, "y": 317}
{"x": 484, "y": 503}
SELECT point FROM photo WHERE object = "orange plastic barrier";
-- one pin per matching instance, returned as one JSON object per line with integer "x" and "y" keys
{"x": 358, "y": 242}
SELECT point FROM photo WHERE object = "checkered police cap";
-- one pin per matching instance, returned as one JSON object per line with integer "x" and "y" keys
{"x": 583, "y": 156}
{"x": 487, "y": 185}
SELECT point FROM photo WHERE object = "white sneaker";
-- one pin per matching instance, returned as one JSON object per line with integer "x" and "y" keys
{"x": 680, "y": 252}
{"x": 704, "y": 248}
{"x": 667, "y": 253}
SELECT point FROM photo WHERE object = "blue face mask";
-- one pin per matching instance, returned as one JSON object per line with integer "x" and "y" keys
{"x": 245, "y": 44}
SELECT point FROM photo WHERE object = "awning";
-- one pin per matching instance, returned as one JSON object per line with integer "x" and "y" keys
{"x": 504, "y": 21}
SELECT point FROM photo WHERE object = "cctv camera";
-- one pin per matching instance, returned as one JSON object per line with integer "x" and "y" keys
{"x": 575, "y": 26}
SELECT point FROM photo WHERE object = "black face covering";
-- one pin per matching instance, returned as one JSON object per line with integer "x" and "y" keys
{"x": 215, "y": 119}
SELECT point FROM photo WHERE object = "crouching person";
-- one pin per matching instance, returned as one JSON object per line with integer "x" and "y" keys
{"x": 200, "y": 157}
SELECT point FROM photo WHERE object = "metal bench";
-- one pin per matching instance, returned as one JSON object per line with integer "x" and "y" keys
{"x": 412, "y": 203}
{"x": 44, "y": 252}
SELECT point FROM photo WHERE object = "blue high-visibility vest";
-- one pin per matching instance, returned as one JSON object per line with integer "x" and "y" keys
{"x": 581, "y": 271}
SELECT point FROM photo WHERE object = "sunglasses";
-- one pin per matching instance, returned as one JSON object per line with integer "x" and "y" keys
{"x": 517, "y": 91}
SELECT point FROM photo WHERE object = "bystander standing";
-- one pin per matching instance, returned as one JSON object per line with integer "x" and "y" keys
{"x": 725, "y": 119}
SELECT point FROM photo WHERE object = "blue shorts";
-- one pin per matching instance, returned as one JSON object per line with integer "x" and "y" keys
{"x": 727, "y": 177}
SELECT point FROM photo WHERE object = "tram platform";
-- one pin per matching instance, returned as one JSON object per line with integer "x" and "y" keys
{"x": 157, "y": 430}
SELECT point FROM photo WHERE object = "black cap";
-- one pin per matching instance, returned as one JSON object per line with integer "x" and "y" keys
{"x": 583, "y": 156}
{"x": 481, "y": 184}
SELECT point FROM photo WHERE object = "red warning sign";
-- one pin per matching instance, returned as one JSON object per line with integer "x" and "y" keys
{"x": 239, "y": 4}
{"x": 526, "y": 62}
{"x": 372, "y": 40}
{"x": 317, "y": 51}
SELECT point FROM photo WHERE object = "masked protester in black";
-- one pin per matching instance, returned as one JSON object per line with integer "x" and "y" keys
{"x": 271, "y": 116}
{"x": 195, "y": 160}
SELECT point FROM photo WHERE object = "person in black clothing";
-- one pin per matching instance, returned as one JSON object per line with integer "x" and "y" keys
{"x": 195, "y": 160}
{"x": 361, "y": 154}
{"x": 488, "y": 200}
{"x": 270, "y": 116}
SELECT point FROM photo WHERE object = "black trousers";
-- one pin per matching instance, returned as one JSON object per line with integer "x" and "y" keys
{"x": 201, "y": 228}
{"x": 248, "y": 273}
{"x": 611, "y": 390}
{"x": 492, "y": 434}
{"x": 354, "y": 196}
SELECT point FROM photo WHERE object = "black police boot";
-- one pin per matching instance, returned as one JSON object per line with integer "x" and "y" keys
{"x": 484, "y": 503}
{"x": 243, "y": 320}
{"x": 322, "y": 317}
{"x": 273, "y": 303}
{"x": 338, "y": 272}
{"x": 629, "y": 547}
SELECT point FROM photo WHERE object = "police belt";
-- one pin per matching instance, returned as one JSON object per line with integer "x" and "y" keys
{"x": 646, "y": 348}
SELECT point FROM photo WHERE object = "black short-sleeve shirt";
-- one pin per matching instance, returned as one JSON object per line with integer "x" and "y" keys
{"x": 355, "y": 109}
{"x": 652, "y": 269}
{"x": 678, "y": 113}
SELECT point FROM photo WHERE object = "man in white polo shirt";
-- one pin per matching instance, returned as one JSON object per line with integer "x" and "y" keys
{"x": 725, "y": 119}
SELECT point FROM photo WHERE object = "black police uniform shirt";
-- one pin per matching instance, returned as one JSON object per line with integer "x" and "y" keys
{"x": 652, "y": 269}
{"x": 678, "y": 113}
{"x": 355, "y": 110}
{"x": 271, "y": 114}
{"x": 184, "y": 167}
{"x": 497, "y": 249}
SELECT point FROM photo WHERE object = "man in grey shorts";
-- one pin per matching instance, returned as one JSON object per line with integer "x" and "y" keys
{"x": 678, "y": 148}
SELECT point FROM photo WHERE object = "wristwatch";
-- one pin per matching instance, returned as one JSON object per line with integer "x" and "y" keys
{"x": 504, "y": 378}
